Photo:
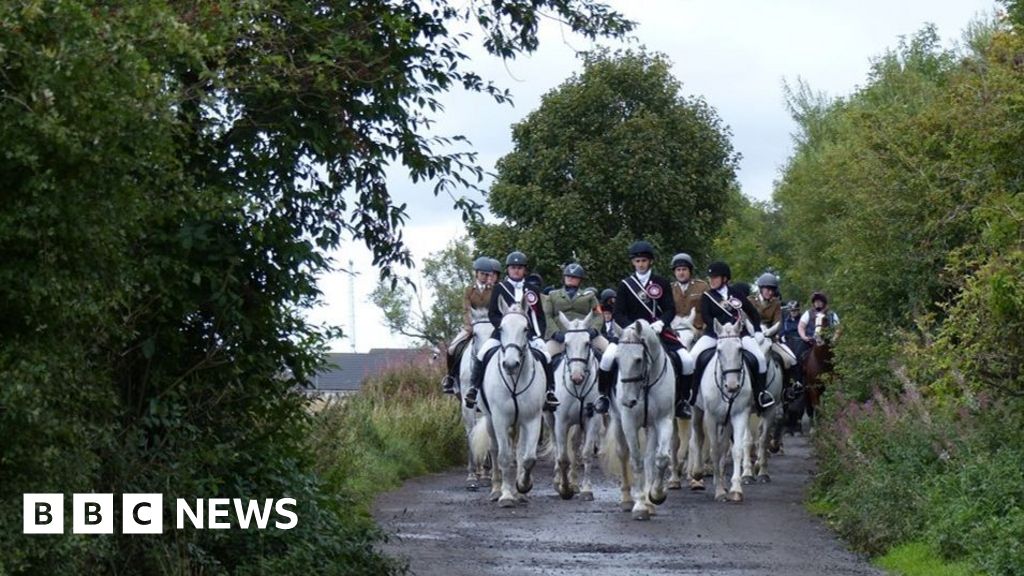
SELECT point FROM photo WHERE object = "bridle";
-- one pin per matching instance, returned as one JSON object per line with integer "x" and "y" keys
{"x": 644, "y": 374}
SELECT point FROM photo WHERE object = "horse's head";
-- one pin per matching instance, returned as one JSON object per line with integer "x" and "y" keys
{"x": 822, "y": 321}
{"x": 684, "y": 328}
{"x": 481, "y": 326}
{"x": 730, "y": 354}
{"x": 514, "y": 337}
{"x": 637, "y": 346}
{"x": 578, "y": 334}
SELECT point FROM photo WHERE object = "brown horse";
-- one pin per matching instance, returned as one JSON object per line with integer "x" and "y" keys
{"x": 817, "y": 362}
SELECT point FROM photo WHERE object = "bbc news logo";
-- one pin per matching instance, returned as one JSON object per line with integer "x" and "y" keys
{"x": 144, "y": 513}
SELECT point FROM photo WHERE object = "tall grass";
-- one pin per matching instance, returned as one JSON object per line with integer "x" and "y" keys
{"x": 907, "y": 474}
{"x": 398, "y": 426}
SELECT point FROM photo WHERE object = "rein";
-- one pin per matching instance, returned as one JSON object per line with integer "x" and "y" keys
{"x": 587, "y": 385}
{"x": 644, "y": 375}
{"x": 513, "y": 385}
{"x": 720, "y": 374}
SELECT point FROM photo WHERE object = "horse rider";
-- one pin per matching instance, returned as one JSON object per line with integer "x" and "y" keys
{"x": 515, "y": 290}
{"x": 477, "y": 296}
{"x": 646, "y": 295}
{"x": 687, "y": 291}
{"x": 609, "y": 329}
{"x": 728, "y": 304}
{"x": 495, "y": 271}
{"x": 806, "y": 326}
{"x": 770, "y": 308}
{"x": 575, "y": 302}
{"x": 790, "y": 336}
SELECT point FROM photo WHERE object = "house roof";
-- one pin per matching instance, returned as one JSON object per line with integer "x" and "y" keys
{"x": 348, "y": 370}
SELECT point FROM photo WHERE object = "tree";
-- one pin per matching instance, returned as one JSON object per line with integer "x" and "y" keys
{"x": 174, "y": 175}
{"x": 446, "y": 274}
{"x": 613, "y": 154}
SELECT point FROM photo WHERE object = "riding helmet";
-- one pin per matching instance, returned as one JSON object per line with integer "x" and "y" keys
{"x": 819, "y": 296}
{"x": 682, "y": 259}
{"x": 495, "y": 265}
{"x": 641, "y": 249}
{"x": 719, "y": 268}
{"x": 574, "y": 270}
{"x": 516, "y": 258}
{"x": 482, "y": 264}
{"x": 768, "y": 280}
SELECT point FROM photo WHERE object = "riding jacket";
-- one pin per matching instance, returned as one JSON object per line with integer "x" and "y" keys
{"x": 476, "y": 298}
{"x": 506, "y": 290}
{"x": 712, "y": 307}
{"x": 689, "y": 298}
{"x": 650, "y": 300}
{"x": 770, "y": 311}
{"x": 575, "y": 304}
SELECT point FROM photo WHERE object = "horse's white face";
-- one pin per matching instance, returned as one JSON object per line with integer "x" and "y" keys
{"x": 577, "y": 346}
{"x": 481, "y": 326}
{"x": 634, "y": 361}
{"x": 514, "y": 340}
{"x": 820, "y": 321}
{"x": 730, "y": 354}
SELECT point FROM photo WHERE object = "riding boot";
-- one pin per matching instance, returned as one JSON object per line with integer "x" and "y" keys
{"x": 448, "y": 382}
{"x": 764, "y": 397}
{"x": 550, "y": 401}
{"x": 605, "y": 383}
{"x": 476, "y": 380}
{"x": 684, "y": 382}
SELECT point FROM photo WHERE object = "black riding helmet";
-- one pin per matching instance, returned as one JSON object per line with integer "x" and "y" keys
{"x": 719, "y": 268}
{"x": 819, "y": 296}
{"x": 516, "y": 258}
{"x": 641, "y": 249}
{"x": 606, "y": 296}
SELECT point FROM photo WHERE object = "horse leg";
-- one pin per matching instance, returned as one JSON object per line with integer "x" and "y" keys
{"x": 674, "y": 481}
{"x": 750, "y": 440}
{"x": 587, "y": 457}
{"x": 529, "y": 435}
{"x": 472, "y": 466}
{"x": 665, "y": 433}
{"x": 506, "y": 462}
{"x": 739, "y": 435}
{"x": 636, "y": 458}
{"x": 576, "y": 434}
{"x": 622, "y": 451}
{"x": 694, "y": 462}
{"x": 562, "y": 459}
{"x": 765, "y": 436}
{"x": 715, "y": 439}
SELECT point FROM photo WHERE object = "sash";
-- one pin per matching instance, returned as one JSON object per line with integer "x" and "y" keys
{"x": 640, "y": 293}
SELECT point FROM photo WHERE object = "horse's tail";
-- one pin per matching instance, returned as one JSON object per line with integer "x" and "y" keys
{"x": 480, "y": 438}
{"x": 609, "y": 451}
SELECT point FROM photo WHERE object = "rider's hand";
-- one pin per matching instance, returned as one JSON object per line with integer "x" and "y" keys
{"x": 558, "y": 336}
{"x": 658, "y": 326}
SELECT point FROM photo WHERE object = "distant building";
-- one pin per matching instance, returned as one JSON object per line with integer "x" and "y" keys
{"x": 346, "y": 371}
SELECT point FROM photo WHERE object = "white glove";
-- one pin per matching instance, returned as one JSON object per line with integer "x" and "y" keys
{"x": 658, "y": 326}
{"x": 759, "y": 337}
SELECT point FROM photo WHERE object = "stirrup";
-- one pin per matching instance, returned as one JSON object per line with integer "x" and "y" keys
{"x": 470, "y": 400}
{"x": 448, "y": 384}
{"x": 602, "y": 405}
{"x": 765, "y": 399}
{"x": 551, "y": 402}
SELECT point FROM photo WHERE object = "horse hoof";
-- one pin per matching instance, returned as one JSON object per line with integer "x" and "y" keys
{"x": 735, "y": 497}
{"x": 723, "y": 497}
{"x": 626, "y": 505}
{"x": 641, "y": 514}
{"x": 764, "y": 479}
{"x": 507, "y": 502}
{"x": 747, "y": 480}
{"x": 697, "y": 485}
{"x": 472, "y": 485}
{"x": 674, "y": 485}
{"x": 587, "y": 496}
{"x": 566, "y": 494}
{"x": 656, "y": 498}
{"x": 525, "y": 487}
{"x": 494, "y": 496}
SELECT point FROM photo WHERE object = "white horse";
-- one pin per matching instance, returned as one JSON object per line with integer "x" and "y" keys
{"x": 644, "y": 401}
{"x": 482, "y": 330}
{"x": 762, "y": 427}
{"x": 576, "y": 431}
{"x": 725, "y": 401}
{"x": 513, "y": 397}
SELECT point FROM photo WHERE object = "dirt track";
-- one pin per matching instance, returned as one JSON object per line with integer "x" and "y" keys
{"x": 441, "y": 528}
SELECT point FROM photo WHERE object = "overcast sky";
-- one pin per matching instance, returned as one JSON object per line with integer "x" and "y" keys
{"x": 736, "y": 54}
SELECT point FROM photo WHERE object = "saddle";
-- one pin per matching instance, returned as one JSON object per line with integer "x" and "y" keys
{"x": 705, "y": 358}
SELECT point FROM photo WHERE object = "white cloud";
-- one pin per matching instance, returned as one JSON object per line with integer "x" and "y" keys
{"x": 734, "y": 53}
